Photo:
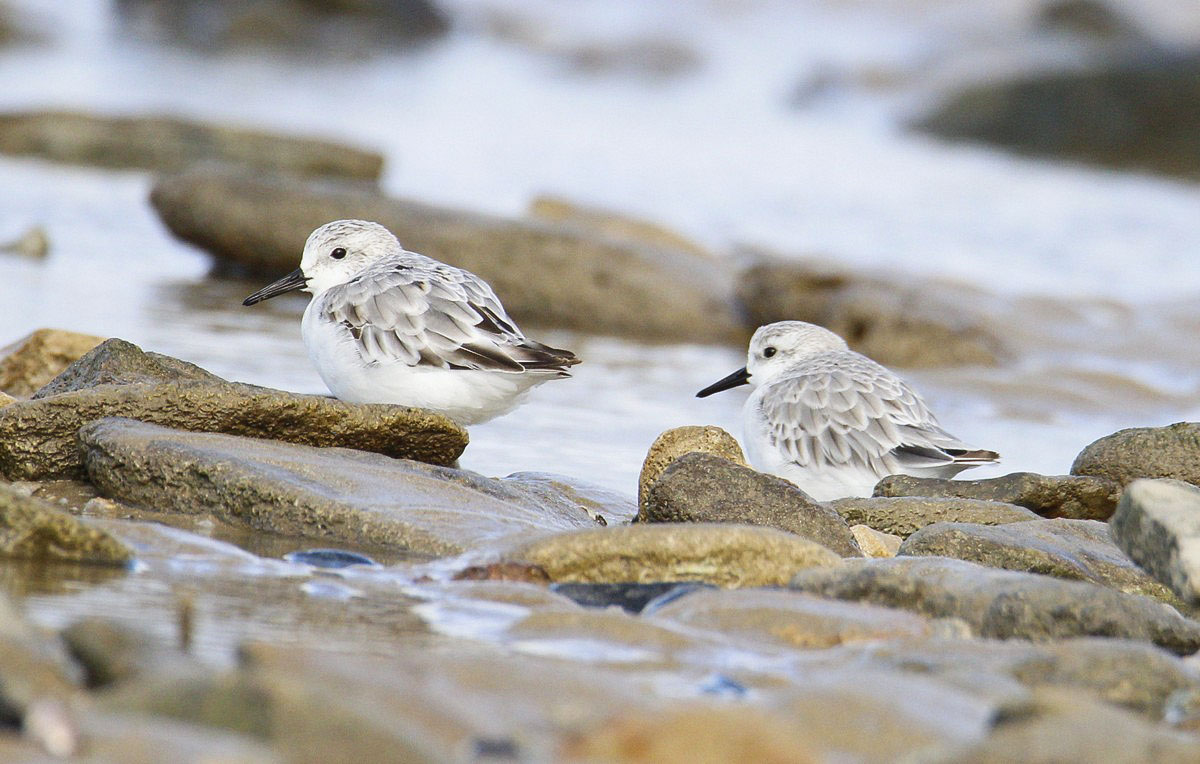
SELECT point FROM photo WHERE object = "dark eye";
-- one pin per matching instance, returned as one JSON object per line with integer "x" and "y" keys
{"x": 768, "y": 352}
{"x": 338, "y": 253}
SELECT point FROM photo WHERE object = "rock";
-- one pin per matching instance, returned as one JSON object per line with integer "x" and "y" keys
{"x": 33, "y": 665}
{"x": 111, "y": 653}
{"x": 1075, "y": 497}
{"x": 701, "y": 488}
{"x": 117, "y": 362}
{"x": 602, "y": 505}
{"x": 889, "y": 318}
{"x": 329, "y": 27}
{"x": 6, "y": 399}
{"x": 678, "y": 441}
{"x": 1131, "y": 113}
{"x": 722, "y": 554}
{"x": 905, "y": 515}
{"x": 791, "y": 618}
{"x": 613, "y": 225}
{"x": 1079, "y": 550}
{"x": 503, "y": 571}
{"x": 545, "y": 274}
{"x": 1157, "y": 524}
{"x": 169, "y": 144}
{"x": 32, "y": 529}
{"x": 1090, "y": 18}
{"x": 151, "y": 739}
{"x": 333, "y": 494}
{"x": 1004, "y": 604}
{"x": 38, "y": 437}
{"x": 34, "y": 360}
{"x": 34, "y": 244}
{"x": 1144, "y": 452}
{"x": 873, "y": 543}
{"x": 630, "y": 597}
{"x": 329, "y": 559}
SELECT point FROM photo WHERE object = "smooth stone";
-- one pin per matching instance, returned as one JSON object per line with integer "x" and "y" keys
{"x": 1157, "y": 524}
{"x": 35, "y": 359}
{"x": 676, "y": 442}
{"x": 170, "y": 144}
{"x": 1075, "y": 497}
{"x": 722, "y": 554}
{"x": 875, "y": 543}
{"x": 329, "y": 558}
{"x": 791, "y": 618}
{"x": 612, "y": 224}
{"x": 117, "y": 362}
{"x": 702, "y": 488}
{"x": 1080, "y": 550}
{"x": 546, "y": 274}
{"x": 1002, "y": 603}
{"x": 33, "y": 529}
{"x": 334, "y": 494}
{"x": 905, "y": 515}
{"x": 1144, "y": 452}
{"x": 630, "y": 597}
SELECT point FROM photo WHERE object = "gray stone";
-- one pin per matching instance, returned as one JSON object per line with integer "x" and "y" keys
{"x": 117, "y": 362}
{"x": 33, "y": 529}
{"x": 1080, "y": 550}
{"x": 1144, "y": 452}
{"x": 332, "y": 494}
{"x": 905, "y": 515}
{"x": 545, "y": 274}
{"x": 677, "y": 441}
{"x": 702, "y": 488}
{"x": 1157, "y": 523}
{"x": 1077, "y": 497}
{"x": 35, "y": 359}
{"x": 1004, "y": 604}
{"x": 170, "y": 144}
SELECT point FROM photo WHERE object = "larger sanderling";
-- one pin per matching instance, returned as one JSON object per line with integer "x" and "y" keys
{"x": 833, "y": 421}
{"x": 390, "y": 326}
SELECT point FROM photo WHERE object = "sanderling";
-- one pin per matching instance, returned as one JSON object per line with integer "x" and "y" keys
{"x": 833, "y": 421}
{"x": 390, "y": 326}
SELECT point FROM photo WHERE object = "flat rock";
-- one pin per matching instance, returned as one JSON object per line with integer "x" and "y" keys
{"x": 334, "y": 494}
{"x": 674, "y": 443}
{"x": 35, "y": 359}
{"x": 1144, "y": 452}
{"x": 722, "y": 554}
{"x": 169, "y": 144}
{"x": 1080, "y": 550}
{"x": 117, "y": 362}
{"x": 33, "y": 529}
{"x": 1004, "y": 604}
{"x": 546, "y": 274}
{"x": 1157, "y": 524}
{"x": 702, "y": 488}
{"x": 1076, "y": 497}
{"x": 905, "y": 515}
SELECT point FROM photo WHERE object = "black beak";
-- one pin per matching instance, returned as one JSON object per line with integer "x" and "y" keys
{"x": 739, "y": 377}
{"x": 289, "y": 283}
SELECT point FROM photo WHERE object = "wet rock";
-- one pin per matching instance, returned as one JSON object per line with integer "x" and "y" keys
{"x": 630, "y": 597}
{"x": 1004, "y": 604}
{"x": 503, "y": 571}
{"x": 145, "y": 739}
{"x": 1131, "y": 113}
{"x": 888, "y": 318}
{"x": 34, "y": 244}
{"x": 117, "y": 362}
{"x": 678, "y": 441}
{"x": 1144, "y": 452}
{"x": 6, "y": 399}
{"x": 873, "y": 543}
{"x": 337, "y": 27}
{"x": 602, "y": 505}
{"x": 32, "y": 529}
{"x": 335, "y": 494}
{"x": 334, "y": 559}
{"x": 38, "y": 437}
{"x": 722, "y": 554}
{"x": 791, "y": 618}
{"x": 613, "y": 225}
{"x": 33, "y": 665}
{"x": 168, "y": 144}
{"x": 1077, "y": 497}
{"x": 111, "y": 653}
{"x": 545, "y": 274}
{"x": 905, "y": 515}
{"x": 1079, "y": 550}
{"x": 702, "y": 488}
{"x": 34, "y": 360}
{"x": 1158, "y": 524}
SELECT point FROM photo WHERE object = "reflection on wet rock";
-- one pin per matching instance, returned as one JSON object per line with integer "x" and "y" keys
{"x": 1078, "y": 497}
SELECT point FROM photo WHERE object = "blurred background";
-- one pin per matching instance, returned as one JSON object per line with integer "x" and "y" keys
{"x": 1012, "y": 182}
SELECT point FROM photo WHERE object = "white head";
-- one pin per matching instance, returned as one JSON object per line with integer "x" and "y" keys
{"x": 774, "y": 349}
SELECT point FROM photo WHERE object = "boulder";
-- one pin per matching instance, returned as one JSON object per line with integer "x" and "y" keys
{"x": 170, "y": 144}
{"x": 1144, "y": 452}
{"x": 33, "y": 529}
{"x": 1004, "y": 604}
{"x": 1077, "y": 497}
{"x": 676, "y": 442}
{"x": 701, "y": 488}
{"x": 613, "y": 225}
{"x": 545, "y": 274}
{"x": 722, "y": 554}
{"x": 1157, "y": 523}
{"x": 34, "y": 360}
{"x": 905, "y": 515}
